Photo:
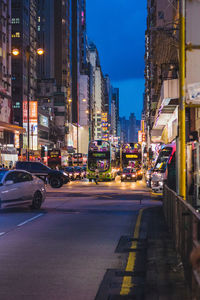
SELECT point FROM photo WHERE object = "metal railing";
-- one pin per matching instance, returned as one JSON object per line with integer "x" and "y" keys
{"x": 184, "y": 224}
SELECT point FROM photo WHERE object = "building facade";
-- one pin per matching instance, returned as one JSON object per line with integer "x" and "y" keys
{"x": 24, "y": 79}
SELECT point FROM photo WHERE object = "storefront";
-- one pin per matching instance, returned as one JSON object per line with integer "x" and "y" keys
{"x": 9, "y": 143}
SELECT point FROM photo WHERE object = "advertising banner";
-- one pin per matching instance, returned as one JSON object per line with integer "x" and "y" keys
{"x": 5, "y": 110}
{"x": 33, "y": 123}
{"x": 193, "y": 56}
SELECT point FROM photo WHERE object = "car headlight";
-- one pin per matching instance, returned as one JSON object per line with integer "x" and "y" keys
{"x": 70, "y": 174}
{"x": 133, "y": 175}
{"x": 160, "y": 183}
{"x": 65, "y": 174}
{"x": 123, "y": 175}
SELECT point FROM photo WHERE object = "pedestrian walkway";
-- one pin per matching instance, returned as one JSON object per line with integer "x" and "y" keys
{"x": 164, "y": 275}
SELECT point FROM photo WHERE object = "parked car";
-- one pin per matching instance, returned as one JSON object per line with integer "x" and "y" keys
{"x": 70, "y": 171}
{"x": 20, "y": 187}
{"x": 78, "y": 173}
{"x": 128, "y": 174}
{"x": 56, "y": 178}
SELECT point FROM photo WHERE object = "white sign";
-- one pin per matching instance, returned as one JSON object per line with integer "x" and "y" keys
{"x": 194, "y": 93}
{"x": 5, "y": 110}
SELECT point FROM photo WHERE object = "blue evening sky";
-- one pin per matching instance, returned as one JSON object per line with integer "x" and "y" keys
{"x": 117, "y": 27}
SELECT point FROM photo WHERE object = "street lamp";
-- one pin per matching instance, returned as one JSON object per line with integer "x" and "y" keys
{"x": 15, "y": 52}
{"x": 40, "y": 51}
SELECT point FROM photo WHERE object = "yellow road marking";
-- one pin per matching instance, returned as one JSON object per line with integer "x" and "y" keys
{"x": 156, "y": 194}
{"x": 127, "y": 280}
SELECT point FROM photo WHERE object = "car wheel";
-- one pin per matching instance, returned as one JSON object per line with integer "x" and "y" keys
{"x": 56, "y": 182}
{"x": 37, "y": 200}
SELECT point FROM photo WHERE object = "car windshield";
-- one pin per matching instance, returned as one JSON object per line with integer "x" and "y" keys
{"x": 77, "y": 169}
{"x": 68, "y": 169}
{"x": 126, "y": 170}
{"x": 163, "y": 158}
{"x": 2, "y": 173}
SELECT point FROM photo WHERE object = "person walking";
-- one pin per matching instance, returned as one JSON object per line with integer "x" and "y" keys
{"x": 96, "y": 176}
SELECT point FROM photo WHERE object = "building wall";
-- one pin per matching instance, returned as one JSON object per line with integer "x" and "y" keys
{"x": 84, "y": 101}
{"x": 5, "y": 61}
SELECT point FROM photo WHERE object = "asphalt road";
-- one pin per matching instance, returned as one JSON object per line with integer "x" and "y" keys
{"x": 77, "y": 247}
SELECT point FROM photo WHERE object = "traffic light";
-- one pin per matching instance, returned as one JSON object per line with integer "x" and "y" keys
{"x": 42, "y": 151}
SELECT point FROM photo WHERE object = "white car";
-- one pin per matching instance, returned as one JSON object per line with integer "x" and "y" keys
{"x": 20, "y": 187}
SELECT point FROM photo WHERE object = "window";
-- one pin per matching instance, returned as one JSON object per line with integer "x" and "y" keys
{"x": 161, "y": 15}
{"x": 23, "y": 177}
{"x": 12, "y": 176}
{"x": 15, "y": 20}
{"x": 16, "y": 35}
{"x": 35, "y": 167}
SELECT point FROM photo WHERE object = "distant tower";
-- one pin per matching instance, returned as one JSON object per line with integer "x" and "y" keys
{"x": 132, "y": 129}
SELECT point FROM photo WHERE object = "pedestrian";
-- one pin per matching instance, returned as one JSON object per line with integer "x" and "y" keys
{"x": 96, "y": 176}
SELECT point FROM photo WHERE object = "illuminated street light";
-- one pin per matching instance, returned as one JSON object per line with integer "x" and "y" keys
{"x": 69, "y": 100}
{"x": 15, "y": 52}
{"x": 84, "y": 100}
{"x": 87, "y": 111}
{"x": 40, "y": 51}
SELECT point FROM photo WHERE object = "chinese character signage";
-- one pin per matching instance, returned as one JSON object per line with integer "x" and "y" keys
{"x": 104, "y": 126}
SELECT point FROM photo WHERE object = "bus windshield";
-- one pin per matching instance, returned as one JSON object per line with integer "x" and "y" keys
{"x": 163, "y": 158}
{"x": 101, "y": 164}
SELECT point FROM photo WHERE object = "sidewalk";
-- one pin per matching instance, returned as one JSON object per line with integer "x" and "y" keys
{"x": 164, "y": 274}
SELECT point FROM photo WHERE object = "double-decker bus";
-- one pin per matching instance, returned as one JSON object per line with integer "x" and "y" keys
{"x": 165, "y": 159}
{"x": 101, "y": 157}
{"x": 77, "y": 159}
{"x": 54, "y": 158}
{"x": 131, "y": 155}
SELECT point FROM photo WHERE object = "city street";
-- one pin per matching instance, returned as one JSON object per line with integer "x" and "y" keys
{"x": 70, "y": 248}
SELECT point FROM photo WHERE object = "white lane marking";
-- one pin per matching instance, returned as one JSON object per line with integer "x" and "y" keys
{"x": 30, "y": 220}
{"x": 2, "y": 233}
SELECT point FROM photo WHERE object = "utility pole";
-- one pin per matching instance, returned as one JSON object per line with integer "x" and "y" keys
{"x": 181, "y": 119}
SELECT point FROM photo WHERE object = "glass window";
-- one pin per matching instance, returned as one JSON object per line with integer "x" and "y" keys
{"x": 39, "y": 167}
{"x": 2, "y": 173}
{"x": 12, "y": 176}
{"x": 22, "y": 177}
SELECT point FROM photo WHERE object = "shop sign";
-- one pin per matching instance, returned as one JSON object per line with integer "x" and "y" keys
{"x": 33, "y": 123}
{"x": 194, "y": 93}
{"x": 5, "y": 110}
{"x": 44, "y": 121}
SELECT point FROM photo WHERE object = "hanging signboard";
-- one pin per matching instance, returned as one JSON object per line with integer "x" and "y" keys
{"x": 193, "y": 56}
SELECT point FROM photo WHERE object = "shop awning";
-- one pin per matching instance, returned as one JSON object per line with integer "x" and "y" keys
{"x": 11, "y": 127}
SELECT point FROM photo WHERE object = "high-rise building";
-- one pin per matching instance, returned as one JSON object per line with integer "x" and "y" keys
{"x": 124, "y": 125}
{"x": 79, "y": 54}
{"x": 24, "y": 79}
{"x": 54, "y": 35}
{"x": 9, "y": 133}
{"x": 132, "y": 129}
{"x": 96, "y": 92}
{"x": 5, "y": 64}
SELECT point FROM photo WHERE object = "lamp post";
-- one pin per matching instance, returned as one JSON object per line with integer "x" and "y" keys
{"x": 16, "y": 52}
{"x": 40, "y": 52}
{"x": 182, "y": 139}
